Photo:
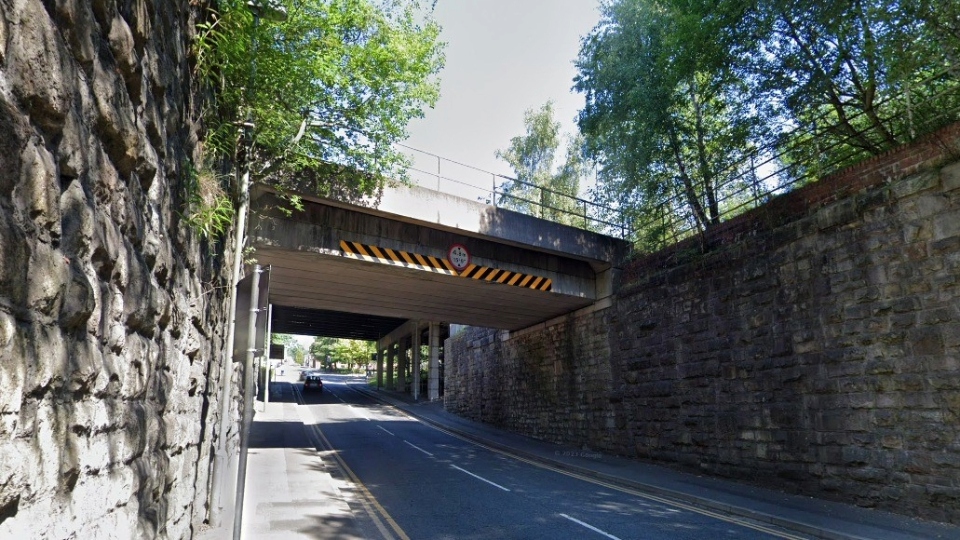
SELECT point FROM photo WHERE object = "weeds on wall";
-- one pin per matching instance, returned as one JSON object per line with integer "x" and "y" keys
{"x": 209, "y": 209}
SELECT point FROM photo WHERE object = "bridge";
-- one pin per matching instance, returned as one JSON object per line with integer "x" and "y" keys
{"x": 403, "y": 269}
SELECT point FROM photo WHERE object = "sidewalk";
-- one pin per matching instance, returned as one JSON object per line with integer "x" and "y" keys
{"x": 803, "y": 515}
{"x": 292, "y": 491}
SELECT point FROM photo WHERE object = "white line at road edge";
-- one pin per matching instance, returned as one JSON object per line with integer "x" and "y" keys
{"x": 418, "y": 448}
{"x": 480, "y": 478}
{"x": 385, "y": 429}
{"x": 591, "y": 527}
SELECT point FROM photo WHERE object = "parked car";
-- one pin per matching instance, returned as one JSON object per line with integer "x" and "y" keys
{"x": 312, "y": 380}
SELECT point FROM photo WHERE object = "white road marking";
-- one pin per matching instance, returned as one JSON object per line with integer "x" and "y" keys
{"x": 385, "y": 429}
{"x": 591, "y": 527}
{"x": 418, "y": 448}
{"x": 480, "y": 478}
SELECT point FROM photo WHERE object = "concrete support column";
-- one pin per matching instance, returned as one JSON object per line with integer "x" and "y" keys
{"x": 433, "y": 372}
{"x": 391, "y": 354}
{"x": 415, "y": 346}
{"x": 401, "y": 385}
{"x": 379, "y": 365}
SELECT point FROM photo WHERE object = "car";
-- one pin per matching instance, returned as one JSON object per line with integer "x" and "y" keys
{"x": 312, "y": 380}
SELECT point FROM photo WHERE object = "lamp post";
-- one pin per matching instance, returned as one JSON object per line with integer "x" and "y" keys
{"x": 225, "y": 461}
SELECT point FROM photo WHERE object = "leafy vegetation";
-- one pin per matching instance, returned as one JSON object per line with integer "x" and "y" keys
{"x": 541, "y": 188}
{"x": 209, "y": 209}
{"x": 687, "y": 100}
{"x": 314, "y": 102}
{"x": 292, "y": 347}
{"x": 355, "y": 354}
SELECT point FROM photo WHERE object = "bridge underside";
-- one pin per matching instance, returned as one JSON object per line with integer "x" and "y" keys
{"x": 328, "y": 287}
{"x": 343, "y": 270}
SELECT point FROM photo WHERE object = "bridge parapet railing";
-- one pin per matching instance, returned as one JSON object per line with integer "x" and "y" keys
{"x": 466, "y": 181}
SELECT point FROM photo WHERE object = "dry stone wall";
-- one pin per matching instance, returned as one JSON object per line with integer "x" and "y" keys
{"x": 815, "y": 348}
{"x": 111, "y": 325}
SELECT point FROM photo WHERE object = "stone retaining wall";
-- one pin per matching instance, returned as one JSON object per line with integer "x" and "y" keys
{"x": 815, "y": 348}
{"x": 111, "y": 323}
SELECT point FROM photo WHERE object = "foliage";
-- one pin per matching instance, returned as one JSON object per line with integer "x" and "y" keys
{"x": 687, "y": 99}
{"x": 296, "y": 351}
{"x": 320, "y": 96}
{"x": 354, "y": 353}
{"x": 665, "y": 120}
{"x": 209, "y": 209}
{"x": 541, "y": 188}
{"x": 282, "y": 339}
{"x": 322, "y": 348}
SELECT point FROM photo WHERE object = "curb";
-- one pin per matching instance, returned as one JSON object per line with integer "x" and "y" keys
{"x": 686, "y": 498}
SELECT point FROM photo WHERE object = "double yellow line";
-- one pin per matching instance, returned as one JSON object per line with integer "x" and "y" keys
{"x": 369, "y": 502}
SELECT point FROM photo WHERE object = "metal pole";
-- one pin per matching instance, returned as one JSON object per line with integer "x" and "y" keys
{"x": 415, "y": 358}
{"x": 223, "y": 459}
{"x": 266, "y": 353}
{"x": 247, "y": 398}
{"x": 438, "y": 173}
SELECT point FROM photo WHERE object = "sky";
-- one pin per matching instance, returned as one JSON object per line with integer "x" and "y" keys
{"x": 502, "y": 58}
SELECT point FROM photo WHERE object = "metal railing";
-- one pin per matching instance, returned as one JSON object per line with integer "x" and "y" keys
{"x": 474, "y": 183}
{"x": 801, "y": 155}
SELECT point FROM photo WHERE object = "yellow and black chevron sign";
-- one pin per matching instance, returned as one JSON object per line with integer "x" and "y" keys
{"x": 507, "y": 277}
{"x": 366, "y": 252}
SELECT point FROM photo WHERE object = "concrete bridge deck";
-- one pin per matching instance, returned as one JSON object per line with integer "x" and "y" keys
{"x": 392, "y": 262}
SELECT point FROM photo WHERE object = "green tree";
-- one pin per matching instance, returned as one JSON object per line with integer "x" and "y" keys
{"x": 297, "y": 352}
{"x": 686, "y": 99}
{"x": 327, "y": 90}
{"x": 323, "y": 348}
{"x": 355, "y": 353}
{"x": 282, "y": 339}
{"x": 666, "y": 116}
{"x": 541, "y": 188}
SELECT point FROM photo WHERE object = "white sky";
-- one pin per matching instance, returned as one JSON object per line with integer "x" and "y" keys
{"x": 502, "y": 58}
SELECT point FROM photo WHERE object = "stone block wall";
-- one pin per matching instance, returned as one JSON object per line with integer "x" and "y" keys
{"x": 111, "y": 318}
{"x": 815, "y": 348}
{"x": 551, "y": 382}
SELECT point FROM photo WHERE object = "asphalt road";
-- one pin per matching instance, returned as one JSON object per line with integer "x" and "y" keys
{"x": 415, "y": 481}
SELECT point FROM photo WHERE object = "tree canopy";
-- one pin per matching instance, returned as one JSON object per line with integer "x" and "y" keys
{"x": 355, "y": 353}
{"x": 686, "y": 99}
{"x": 542, "y": 188}
{"x": 327, "y": 90}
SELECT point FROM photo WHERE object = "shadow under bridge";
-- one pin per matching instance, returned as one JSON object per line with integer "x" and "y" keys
{"x": 345, "y": 270}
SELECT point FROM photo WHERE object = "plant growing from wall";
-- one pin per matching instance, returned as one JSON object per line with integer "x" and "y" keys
{"x": 209, "y": 209}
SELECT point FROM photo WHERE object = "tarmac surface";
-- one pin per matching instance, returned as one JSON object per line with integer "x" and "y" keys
{"x": 294, "y": 488}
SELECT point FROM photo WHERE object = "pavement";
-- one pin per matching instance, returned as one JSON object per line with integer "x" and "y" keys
{"x": 293, "y": 490}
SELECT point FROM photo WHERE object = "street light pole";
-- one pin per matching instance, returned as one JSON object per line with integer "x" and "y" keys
{"x": 225, "y": 462}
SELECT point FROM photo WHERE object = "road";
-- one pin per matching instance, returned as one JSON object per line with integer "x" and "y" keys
{"x": 415, "y": 481}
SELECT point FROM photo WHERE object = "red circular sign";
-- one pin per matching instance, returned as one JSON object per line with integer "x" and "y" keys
{"x": 458, "y": 256}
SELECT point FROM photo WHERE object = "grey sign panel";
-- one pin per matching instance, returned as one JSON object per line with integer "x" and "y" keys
{"x": 245, "y": 290}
